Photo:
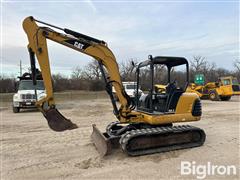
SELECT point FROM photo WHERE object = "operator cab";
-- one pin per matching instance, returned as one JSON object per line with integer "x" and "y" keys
{"x": 164, "y": 79}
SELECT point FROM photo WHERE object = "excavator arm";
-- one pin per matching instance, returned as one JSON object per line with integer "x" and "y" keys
{"x": 37, "y": 37}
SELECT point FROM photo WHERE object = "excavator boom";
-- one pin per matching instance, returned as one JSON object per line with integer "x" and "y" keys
{"x": 37, "y": 37}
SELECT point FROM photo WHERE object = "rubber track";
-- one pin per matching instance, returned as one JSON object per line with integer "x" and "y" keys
{"x": 130, "y": 135}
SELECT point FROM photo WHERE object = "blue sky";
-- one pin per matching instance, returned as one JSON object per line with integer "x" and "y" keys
{"x": 131, "y": 29}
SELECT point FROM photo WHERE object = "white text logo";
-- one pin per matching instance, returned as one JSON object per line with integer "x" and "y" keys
{"x": 78, "y": 45}
{"x": 201, "y": 171}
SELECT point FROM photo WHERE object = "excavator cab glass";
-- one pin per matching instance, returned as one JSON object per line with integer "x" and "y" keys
{"x": 161, "y": 97}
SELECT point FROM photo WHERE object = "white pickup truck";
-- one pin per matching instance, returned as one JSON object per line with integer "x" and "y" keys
{"x": 130, "y": 88}
{"x": 27, "y": 94}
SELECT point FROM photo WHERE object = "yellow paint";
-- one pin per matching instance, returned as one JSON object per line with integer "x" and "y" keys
{"x": 37, "y": 38}
{"x": 210, "y": 87}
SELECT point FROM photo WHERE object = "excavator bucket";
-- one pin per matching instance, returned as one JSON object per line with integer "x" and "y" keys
{"x": 57, "y": 122}
{"x": 103, "y": 143}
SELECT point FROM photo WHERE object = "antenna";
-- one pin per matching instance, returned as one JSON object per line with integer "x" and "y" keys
{"x": 20, "y": 66}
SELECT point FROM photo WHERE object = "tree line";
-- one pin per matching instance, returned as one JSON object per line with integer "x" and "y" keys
{"x": 90, "y": 78}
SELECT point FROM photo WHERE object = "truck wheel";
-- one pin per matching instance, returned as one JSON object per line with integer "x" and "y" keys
{"x": 213, "y": 96}
{"x": 16, "y": 109}
{"x": 225, "y": 98}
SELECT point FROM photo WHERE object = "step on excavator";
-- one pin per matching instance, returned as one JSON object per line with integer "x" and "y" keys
{"x": 144, "y": 126}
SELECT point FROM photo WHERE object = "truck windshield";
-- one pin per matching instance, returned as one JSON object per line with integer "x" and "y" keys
{"x": 131, "y": 86}
{"x": 28, "y": 85}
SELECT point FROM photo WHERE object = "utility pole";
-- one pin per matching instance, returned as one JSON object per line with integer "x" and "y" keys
{"x": 20, "y": 68}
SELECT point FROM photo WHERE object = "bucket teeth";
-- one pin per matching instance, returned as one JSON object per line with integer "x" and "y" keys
{"x": 57, "y": 122}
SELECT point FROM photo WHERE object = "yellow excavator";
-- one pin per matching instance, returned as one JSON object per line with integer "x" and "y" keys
{"x": 144, "y": 127}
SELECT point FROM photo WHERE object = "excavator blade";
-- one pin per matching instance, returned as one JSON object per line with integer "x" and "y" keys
{"x": 103, "y": 143}
{"x": 57, "y": 122}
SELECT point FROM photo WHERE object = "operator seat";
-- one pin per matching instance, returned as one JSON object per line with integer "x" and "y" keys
{"x": 163, "y": 102}
{"x": 173, "y": 95}
{"x": 160, "y": 102}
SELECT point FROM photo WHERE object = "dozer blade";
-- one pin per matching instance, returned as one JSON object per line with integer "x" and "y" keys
{"x": 57, "y": 122}
{"x": 103, "y": 143}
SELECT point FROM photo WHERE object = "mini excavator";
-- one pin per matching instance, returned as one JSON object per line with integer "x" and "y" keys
{"x": 144, "y": 126}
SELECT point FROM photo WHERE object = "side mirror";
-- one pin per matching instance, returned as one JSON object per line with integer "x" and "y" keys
{"x": 133, "y": 64}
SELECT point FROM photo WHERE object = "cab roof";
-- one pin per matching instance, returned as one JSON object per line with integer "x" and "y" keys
{"x": 169, "y": 61}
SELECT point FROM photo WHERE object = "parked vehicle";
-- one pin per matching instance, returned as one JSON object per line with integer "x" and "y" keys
{"x": 214, "y": 91}
{"x": 130, "y": 88}
{"x": 27, "y": 93}
{"x": 231, "y": 82}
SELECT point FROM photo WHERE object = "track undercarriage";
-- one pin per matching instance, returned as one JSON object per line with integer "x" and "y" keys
{"x": 141, "y": 139}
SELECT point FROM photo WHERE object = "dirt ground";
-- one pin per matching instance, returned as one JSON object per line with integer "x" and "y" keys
{"x": 30, "y": 150}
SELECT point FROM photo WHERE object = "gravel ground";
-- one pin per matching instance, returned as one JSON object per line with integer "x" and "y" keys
{"x": 30, "y": 150}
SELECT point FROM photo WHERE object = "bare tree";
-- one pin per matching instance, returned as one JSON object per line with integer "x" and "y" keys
{"x": 160, "y": 74}
{"x": 60, "y": 82}
{"x": 92, "y": 71}
{"x": 209, "y": 71}
{"x": 89, "y": 77}
{"x": 236, "y": 65}
{"x": 77, "y": 73}
{"x": 127, "y": 69}
{"x": 198, "y": 63}
{"x": 7, "y": 84}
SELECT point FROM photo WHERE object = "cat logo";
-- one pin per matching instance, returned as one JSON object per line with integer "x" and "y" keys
{"x": 78, "y": 45}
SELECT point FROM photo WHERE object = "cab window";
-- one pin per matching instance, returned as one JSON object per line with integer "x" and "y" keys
{"x": 226, "y": 82}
